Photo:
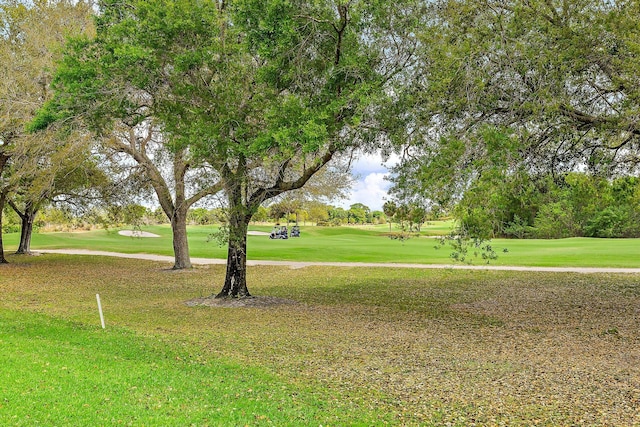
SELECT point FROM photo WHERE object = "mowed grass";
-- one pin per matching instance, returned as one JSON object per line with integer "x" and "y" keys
{"x": 357, "y": 346}
{"x": 59, "y": 373}
{"x": 353, "y": 244}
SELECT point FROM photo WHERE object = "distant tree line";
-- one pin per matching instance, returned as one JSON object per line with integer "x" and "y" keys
{"x": 498, "y": 205}
{"x": 572, "y": 205}
{"x": 134, "y": 215}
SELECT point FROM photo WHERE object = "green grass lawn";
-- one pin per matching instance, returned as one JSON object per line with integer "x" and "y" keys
{"x": 354, "y": 244}
{"x": 376, "y": 346}
{"x": 59, "y": 373}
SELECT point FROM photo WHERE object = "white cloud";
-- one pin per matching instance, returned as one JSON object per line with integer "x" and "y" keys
{"x": 370, "y": 191}
{"x": 371, "y": 187}
{"x": 370, "y": 163}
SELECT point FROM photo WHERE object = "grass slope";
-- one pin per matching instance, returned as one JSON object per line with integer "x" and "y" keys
{"x": 60, "y": 373}
{"x": 360, "y": 347}
{"x": 367, "y": 244}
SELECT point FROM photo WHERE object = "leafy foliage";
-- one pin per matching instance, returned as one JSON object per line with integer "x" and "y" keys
{"x": 519, "y": 90}
{"x": 577, "y": 205}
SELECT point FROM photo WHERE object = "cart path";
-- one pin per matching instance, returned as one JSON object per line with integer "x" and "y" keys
{"x": 303, "y": 264}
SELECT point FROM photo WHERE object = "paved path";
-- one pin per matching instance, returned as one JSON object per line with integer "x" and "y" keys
{"x": 298, "y": 264}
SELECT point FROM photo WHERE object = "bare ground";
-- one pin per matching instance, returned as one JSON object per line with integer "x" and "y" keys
{"x": 252, "y": 301}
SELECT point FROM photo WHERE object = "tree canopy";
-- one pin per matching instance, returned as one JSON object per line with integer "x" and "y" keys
{"x": 267, "y": 93}
{"x": 527, "y": 88}
{"x": 31, "y": 37}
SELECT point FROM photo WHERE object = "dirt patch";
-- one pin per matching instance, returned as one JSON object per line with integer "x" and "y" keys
{"x": 254, "y": 301}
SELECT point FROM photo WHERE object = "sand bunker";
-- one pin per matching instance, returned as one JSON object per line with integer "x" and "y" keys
{"x": 136, "y": 233}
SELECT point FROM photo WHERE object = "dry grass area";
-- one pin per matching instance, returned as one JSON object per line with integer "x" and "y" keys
{"x": 434, "y": 347}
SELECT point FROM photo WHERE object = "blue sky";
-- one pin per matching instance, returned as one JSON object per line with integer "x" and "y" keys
{"x": 370, "y": 188}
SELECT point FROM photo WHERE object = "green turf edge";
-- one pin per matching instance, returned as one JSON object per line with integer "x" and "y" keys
{"x": 351, "y": 244}
{"x": 56, "y": 372}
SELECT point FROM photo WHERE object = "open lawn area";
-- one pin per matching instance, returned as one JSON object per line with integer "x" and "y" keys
{"x": 351, "y": 346}
{"x": 351, "y": 244}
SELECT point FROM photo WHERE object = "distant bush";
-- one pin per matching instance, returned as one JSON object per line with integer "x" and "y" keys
{"x": 612, "y": 222}
{"x": 573, "y": 205}
{"x": 401, "y": 235}
{"x": 10, "y": 228}
{"x": 555, "y": 221}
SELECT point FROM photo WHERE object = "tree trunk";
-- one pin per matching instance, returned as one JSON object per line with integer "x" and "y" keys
{"x": 4, "y": 158}
{"x": 3, "y": 198}
{"x": 182, "y": 259}
{"x": 235, "y": 282}
{"x": 26, "y": 230}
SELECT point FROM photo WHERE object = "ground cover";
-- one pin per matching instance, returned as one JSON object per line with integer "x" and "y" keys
{"x": 424, "y": 347}
{"x": 61, "y": 373}
{"x": 353, "y": 244}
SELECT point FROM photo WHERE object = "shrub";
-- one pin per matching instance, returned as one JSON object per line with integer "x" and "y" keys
{"x": 518, "y": 228}
{"x": 609, "y": 222}
{"x": 555, "y": 221}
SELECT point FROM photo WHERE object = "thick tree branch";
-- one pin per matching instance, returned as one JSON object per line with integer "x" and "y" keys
{"x": 579, "y": 116}
{"x": 16, "y": 209}
{"x": 208, "y": 191}
{"x": 281, "y": 186}
{"x": 156, "y": 180}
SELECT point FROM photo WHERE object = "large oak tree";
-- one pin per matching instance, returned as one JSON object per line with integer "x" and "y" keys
{"x": 178, "y": 179}
{"x": 267, "y": 92}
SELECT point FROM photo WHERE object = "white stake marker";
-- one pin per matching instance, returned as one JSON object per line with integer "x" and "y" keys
{"x": 100, "y": 310}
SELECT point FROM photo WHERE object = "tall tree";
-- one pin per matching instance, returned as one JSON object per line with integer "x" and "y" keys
{"x": 53, "y": 170}
{"x": 31, "y": 34}
{"x": 119, "y": 109}
{"x": 178, "y": 179}
{"x": 4, "y": 158}
{"x": 302, "y": 81}
{"x": 267, "y": 92}
{"x": 389, "y": 208}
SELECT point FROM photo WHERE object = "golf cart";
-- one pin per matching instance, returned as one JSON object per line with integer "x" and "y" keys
{"x": 279, "y": 232}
